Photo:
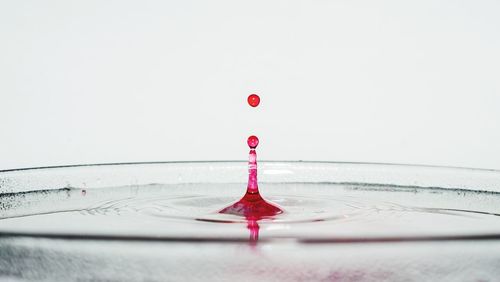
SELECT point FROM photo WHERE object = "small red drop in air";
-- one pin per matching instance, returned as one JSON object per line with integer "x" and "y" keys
{"x": 253, "y": 100}
{"x": 253, "y": 142}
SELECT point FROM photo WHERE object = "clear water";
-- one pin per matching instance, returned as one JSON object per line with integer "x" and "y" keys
{"x": 111, "y": 224}
{"x": 313, "y": 213}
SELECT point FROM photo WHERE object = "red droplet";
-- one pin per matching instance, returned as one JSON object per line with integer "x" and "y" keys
{"x": 253, "y": 100}
{"x": 253, "y": 142}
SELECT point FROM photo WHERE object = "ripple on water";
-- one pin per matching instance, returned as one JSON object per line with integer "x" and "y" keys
{"x": 310, "y": 211}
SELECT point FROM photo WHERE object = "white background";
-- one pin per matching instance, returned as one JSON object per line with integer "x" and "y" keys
{"x": 375, "y": 81}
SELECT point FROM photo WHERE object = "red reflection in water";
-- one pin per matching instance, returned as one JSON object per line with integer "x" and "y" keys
{"x": 253, "y": 227}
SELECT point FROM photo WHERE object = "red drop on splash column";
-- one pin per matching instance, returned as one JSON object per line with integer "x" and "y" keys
{"x": 253, "y": 142}
{"x": 252, "y": 206}
{"x": 253, "y": 100}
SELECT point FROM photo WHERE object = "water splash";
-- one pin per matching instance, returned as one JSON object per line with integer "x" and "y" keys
{"x": 252, "y": 205}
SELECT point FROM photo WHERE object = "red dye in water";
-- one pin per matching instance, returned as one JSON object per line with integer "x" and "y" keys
{"x": 253, "y": 227}
{"x": 253, "y": 100}
{"x": 252, "y": 206}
